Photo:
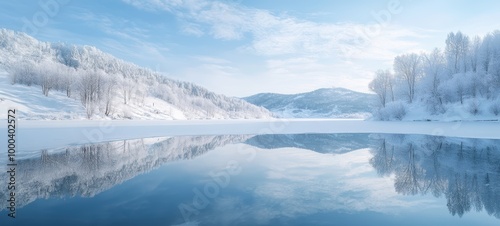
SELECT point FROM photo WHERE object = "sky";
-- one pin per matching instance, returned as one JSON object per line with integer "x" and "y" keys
{"x": 242, "y": 47}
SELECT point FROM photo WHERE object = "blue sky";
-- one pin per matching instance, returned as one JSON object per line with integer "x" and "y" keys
{"x": 243, "y": 47}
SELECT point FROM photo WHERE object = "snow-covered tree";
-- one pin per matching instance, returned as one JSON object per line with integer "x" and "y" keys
{"x": 89, "y": 91}
{"x": 408, "y": 68}
{"x": 67, "y": 81}
{"x": 108, "y": 93}
{"x": 434, "y": 68}
{"x": 23, "y": 72}
{"x": 127, "y": 88}
{"x": 457, "y": 47}
{"x": 474, "y": 54}
{"x": 464, "y": 76}
{"x": 382, "y": 86}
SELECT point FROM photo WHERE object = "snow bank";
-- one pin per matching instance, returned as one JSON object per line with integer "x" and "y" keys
{"x": 36, "y": 135}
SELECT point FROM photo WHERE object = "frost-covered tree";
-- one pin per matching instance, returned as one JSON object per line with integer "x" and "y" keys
{"x": 382, "y": 85}
{"x": 108, "y": 93}
{"x": 408, "y": 68}
{"x": 89, "y": 91}
{"x": 23, "y": 72}
{"x": 47, "y": 80}
{"x": 67, "y": 81}
{"x": 127, "y": 89}
{"x": 457, "y": 47}
{"x": 474, "y": 53}
{"x": 494, "y": 60}
{"x": 464, "y": 76}
{"x": 434, "y": 69}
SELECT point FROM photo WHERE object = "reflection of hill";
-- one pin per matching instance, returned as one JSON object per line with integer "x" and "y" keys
{"x": 90, "y": 169}
{"x": 322, "y": 143}
{"x": 465, "y": 171}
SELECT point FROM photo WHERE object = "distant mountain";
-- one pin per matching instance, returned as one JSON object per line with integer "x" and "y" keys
{"x": 64, "y": 81}
{"x": 321, "y": 103}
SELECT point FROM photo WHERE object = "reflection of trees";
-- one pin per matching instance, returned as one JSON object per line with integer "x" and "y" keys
{"x": 383, "y": 159}
{"x": 465, "y": 171}
{"x": 409, "y": 181}
{"x": 90, "y": 169}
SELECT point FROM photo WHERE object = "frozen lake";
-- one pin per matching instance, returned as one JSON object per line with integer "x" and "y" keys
{"x": 273, "y": 179}
{"x": 35, "y": 135}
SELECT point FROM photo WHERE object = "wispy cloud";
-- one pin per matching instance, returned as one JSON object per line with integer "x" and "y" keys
{"x": 118, "y": 27}
{"x": 213, "y": 60}
{"x": 192, "y": 29}
{"x": 125, "y": 36}
{"x": 273, "y": 35}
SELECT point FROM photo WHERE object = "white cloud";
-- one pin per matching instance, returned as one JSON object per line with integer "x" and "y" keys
{"x": 304, "y": 66}
{"x": 192, "y": 29}
{"x": 213, "y": 60}
{"x": 294, "y": 54}
{"x": 281, "y": 34}
{"x": 117, "y": 27}
{"x": 126, "y": 38}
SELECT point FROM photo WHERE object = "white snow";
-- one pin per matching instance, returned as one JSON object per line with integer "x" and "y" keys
{"x": 454, "y": 112}
{"x": 31, "y": 103}
{"x": 36, "y": 135}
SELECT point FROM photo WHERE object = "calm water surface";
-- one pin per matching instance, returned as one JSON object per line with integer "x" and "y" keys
{"x": 305, "y": 179}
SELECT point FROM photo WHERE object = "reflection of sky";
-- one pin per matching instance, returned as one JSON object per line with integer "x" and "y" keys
{"x": 290, "y": 182}
{"x": 295, "y": 184}
{"x": 279, "y": 186}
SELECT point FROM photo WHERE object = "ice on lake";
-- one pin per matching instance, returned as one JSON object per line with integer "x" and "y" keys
{"x": 274, "y": 179}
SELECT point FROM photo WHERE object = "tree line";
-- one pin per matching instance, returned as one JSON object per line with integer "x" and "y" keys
{"x": 96, "y": 90}
{"x": 466, "y": 73}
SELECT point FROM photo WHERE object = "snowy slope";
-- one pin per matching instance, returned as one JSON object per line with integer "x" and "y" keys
{"x": 134, "y": 92}
{"x": 30, "y": 103}
{"x": 321, "y": 103}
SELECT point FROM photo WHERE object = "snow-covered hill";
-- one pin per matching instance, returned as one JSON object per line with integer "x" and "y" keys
{"x": 62, "y": 81}
{"x": 321, "y": 103}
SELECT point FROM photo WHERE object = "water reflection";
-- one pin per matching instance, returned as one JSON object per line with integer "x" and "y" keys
{"x": 91, "y": 169}
{"x": 465, "y": 171}
{"x": 295, "y": 184}
{"x": 322, "y": 143}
